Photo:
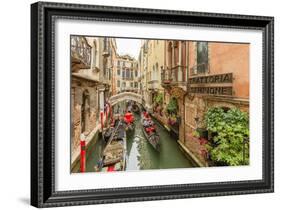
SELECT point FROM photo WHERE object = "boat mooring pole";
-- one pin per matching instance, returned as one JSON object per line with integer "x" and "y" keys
{"x": 82, "y": 153}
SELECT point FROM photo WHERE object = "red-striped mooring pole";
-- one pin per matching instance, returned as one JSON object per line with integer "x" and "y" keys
{"x": 82, "y": 153}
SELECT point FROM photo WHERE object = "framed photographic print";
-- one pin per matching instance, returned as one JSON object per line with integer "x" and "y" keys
{"x": 133, "y": 104}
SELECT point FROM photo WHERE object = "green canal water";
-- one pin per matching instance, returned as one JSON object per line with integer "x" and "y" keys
{"x": 141, "y": 155}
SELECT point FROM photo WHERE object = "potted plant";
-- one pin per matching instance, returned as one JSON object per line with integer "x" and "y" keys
{"x": 172, "y": 120}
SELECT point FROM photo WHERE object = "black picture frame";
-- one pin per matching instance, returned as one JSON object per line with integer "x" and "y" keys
{"x": 43, "y": 15}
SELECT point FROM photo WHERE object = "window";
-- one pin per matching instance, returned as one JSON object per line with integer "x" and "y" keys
{"x": 123, "y": 74}
{"x": 127, "y": 73}
{"x": 132, "y": 84}
{"x": 94, "y": 54}
{"x": 118, "y": 83}
{"x": 118, "y": 63}
{"x": 105, "y": 44}
{"x": 118, "y": 72}
{"x": 170, "y": 59}
{"x": 136, "y": 85}
{"x": 156, "y": 71}
{"x": 136, "y": 73}
{"x": 202, "y": 57}
{"x": 109, "y": 74}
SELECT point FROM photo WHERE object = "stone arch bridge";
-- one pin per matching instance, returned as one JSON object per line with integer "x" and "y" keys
{"x": 125, "y": 96}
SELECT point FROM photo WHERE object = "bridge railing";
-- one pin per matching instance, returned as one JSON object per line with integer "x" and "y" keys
{"x": 125, "y": 96}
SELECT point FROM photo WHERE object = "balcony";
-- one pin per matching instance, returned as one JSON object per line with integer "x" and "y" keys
{"x": 175, "y": 76}
{"x": 80, "y": 57}
{"x": 153, "y": 85}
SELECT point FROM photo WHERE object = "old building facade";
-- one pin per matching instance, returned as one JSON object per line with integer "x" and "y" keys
{"x": 155, "y": 62}
{"x": 127, "y": 74}
{"x": 219, "y": 77}
{"x": 143, "y": 66}
{"x": 200, "y": 75}
{"x": 91, "y": 77}
{"x": 178, "y": 81}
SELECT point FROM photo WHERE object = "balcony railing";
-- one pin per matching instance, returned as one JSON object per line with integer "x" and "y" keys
{"x": 173, "y": 75}
{"x": 129, "y": 89}
{"x": 81, "y": 55}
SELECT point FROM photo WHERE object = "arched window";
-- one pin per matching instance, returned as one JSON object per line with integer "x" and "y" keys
{"x": 85, "y": 110}
{"x": 153, "y": 73}
{"x": 94, "y": 54}
{"x": 170, "y": 55}
{"x": 156, "y": 72}
{"x": 127, "y": 73}
{"x": 202, "y": 57}
{"x": 123, "y": 74}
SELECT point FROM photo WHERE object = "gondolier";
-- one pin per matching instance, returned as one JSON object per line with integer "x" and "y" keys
{"x": 129, "y": 117}
{"x": 129, "y": 121}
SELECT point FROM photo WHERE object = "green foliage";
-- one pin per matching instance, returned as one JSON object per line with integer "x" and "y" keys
{"x": 159, "y": 98}
{"x": 196, "y": 134}
{"x": 172, "y": 107}
{"x": 230, "y": 129}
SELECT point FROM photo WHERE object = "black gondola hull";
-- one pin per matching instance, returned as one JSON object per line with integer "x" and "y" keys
{"x": 153, "y": 139}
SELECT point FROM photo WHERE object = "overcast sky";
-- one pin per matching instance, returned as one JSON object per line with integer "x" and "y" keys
{"x": 128, "y": 46}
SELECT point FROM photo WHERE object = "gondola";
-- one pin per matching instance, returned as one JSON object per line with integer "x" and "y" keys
{"x": 130, "y": 128}
{"x": 153, "y": 137}
{"x": 114, "y": 154}
{"x": 129, "y": 123}
{"x": 136, "y": 108}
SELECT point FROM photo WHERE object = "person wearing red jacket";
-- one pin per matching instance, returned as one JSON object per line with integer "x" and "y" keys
{"x": 128, "y": 117}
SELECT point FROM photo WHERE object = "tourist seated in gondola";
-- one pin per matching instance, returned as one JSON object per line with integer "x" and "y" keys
{"x": 150, "y": 130}
{"x": 149, "y": 126}
{"x": 145, "y": 123}
{"x": 145, "y": 114}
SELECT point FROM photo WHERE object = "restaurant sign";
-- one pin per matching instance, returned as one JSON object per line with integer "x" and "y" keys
{"x": 199, "y": 85}
{"x": 218, "y": 78}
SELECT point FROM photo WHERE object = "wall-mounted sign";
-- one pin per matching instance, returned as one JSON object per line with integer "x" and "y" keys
{"x": 218, "y": 78}
{"x": 211, "y": 90}
{"x": 201, "y": 82}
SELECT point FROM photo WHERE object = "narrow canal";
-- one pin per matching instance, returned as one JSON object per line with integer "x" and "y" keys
{"x": 141, "y": 155}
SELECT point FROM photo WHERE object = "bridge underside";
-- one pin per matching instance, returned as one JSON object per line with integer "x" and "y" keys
{"x": 125, "y": 96}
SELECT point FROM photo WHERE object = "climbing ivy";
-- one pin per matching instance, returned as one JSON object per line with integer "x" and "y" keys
{"x": 230, "y": 131}
{"x": 172, "y": 106}
{"x": 159, "y": 98}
